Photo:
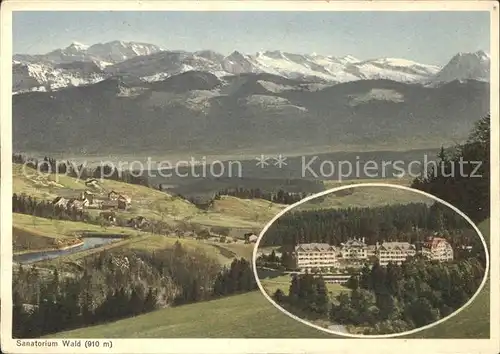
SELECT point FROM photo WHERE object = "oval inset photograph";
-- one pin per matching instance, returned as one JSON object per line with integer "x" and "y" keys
{"x": 395, "y": 262}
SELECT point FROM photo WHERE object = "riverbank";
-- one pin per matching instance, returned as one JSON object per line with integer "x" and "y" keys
{"x": 87, "y": 243}
{"x": 53, "y": 249}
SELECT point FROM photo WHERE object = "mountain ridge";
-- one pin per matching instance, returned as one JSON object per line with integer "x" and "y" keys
{"x": 148, "y": 62}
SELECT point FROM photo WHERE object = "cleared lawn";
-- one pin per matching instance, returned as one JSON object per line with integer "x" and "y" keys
{"x": 283, "y": 282}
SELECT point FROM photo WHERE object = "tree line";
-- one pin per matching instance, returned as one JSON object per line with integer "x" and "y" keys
{"x": 400, "y": 298}
{"x": 408, "y": 222}
{"x": 115, "y": 285}
{"x": 462, "y": 176}
{"x": 390, "y": 299}
{"x": 24, "y": 204}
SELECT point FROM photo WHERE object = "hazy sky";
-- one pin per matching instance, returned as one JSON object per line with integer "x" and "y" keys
{"x": 427, "y": 37}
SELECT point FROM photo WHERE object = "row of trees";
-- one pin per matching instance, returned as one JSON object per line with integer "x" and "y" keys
{"x": 284, "y": 262}
{"x": 410, "y": 222}
{"x": 238, "y": 278}
{"x": 390, "y": 299}
{"x": 307, "y": 294}
{"x": 24, "y": 204}
{"x": 116, "y": 285}
{"x": 59, "y": 307}
{"x": 398, "y": 298}
{"x": 81, "y": 171}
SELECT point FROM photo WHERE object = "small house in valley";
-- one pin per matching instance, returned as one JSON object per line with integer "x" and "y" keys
{"x": 60, "y": 202}
{"x": 109, "y": 216}
{"x": 138, "y": 222}
{"x": 77, "y": 204}
{"x": 87, "y": 195}
{"x": 113, "y": 195}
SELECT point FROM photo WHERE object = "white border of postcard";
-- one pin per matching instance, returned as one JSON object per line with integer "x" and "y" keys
{"x": 219, "y": 346}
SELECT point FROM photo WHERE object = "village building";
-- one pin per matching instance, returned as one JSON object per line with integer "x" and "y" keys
{"x": 371, "y": 251}
{"x": 250, "y": 237}
{"x": 125, "y": 198}
{"x": 88, "y": 195}
{"x": 77, "y": 204}
{"x": 312, "y": 257}
{"x": 138, "y": 222}
{"x": 113, "y": 195}
{"x": 437, "y": 249}
{"x": 109, "y": 216}
{"x": 60, "y": 202}
{"x": 109, "y": 204}
{"x": 354, "y": 249}
{"x": 117, "y": 201}
{"x": 394, "y": 252}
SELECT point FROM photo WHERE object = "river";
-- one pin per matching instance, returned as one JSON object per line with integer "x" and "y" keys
{"x": 88, "y": 243}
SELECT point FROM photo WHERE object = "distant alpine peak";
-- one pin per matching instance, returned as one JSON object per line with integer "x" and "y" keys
{"x": 466, "y": 66}
{"x": 480, "y": 54}
{"x": 78, "y": 46}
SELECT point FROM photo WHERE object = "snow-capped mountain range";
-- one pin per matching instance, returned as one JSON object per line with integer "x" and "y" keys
{"x": 79, "y": 64}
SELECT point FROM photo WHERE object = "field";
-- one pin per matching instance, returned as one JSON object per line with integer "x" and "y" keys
{"x": 363, "y": 197}
{"x": 241, "y": 316}
{"x": 148, "y": 202}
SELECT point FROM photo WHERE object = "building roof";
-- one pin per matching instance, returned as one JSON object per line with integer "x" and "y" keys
{"x": 125, "y": 198}
{"x": 314, "y": 247}
{"x": 397, "y": 246}
{"x": 353, "y": 243}
{"x": 434, "y": 242}
{"x": 59, "y": 200}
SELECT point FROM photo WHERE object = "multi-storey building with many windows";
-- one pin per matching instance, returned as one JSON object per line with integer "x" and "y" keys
{"x": 354, "y": 249}
{"x": 394, "y": 252}
{"x": 312, "y": 257}
{"x": 437, "y": 249}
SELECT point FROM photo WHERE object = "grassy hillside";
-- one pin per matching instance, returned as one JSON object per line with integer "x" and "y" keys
{"x": 223, "y": 252}
{"x": 363, "y": 197}
{"x": 241, "y": 316}
{"x": 147, "y": 202}
{"x": 33, "y": 233}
